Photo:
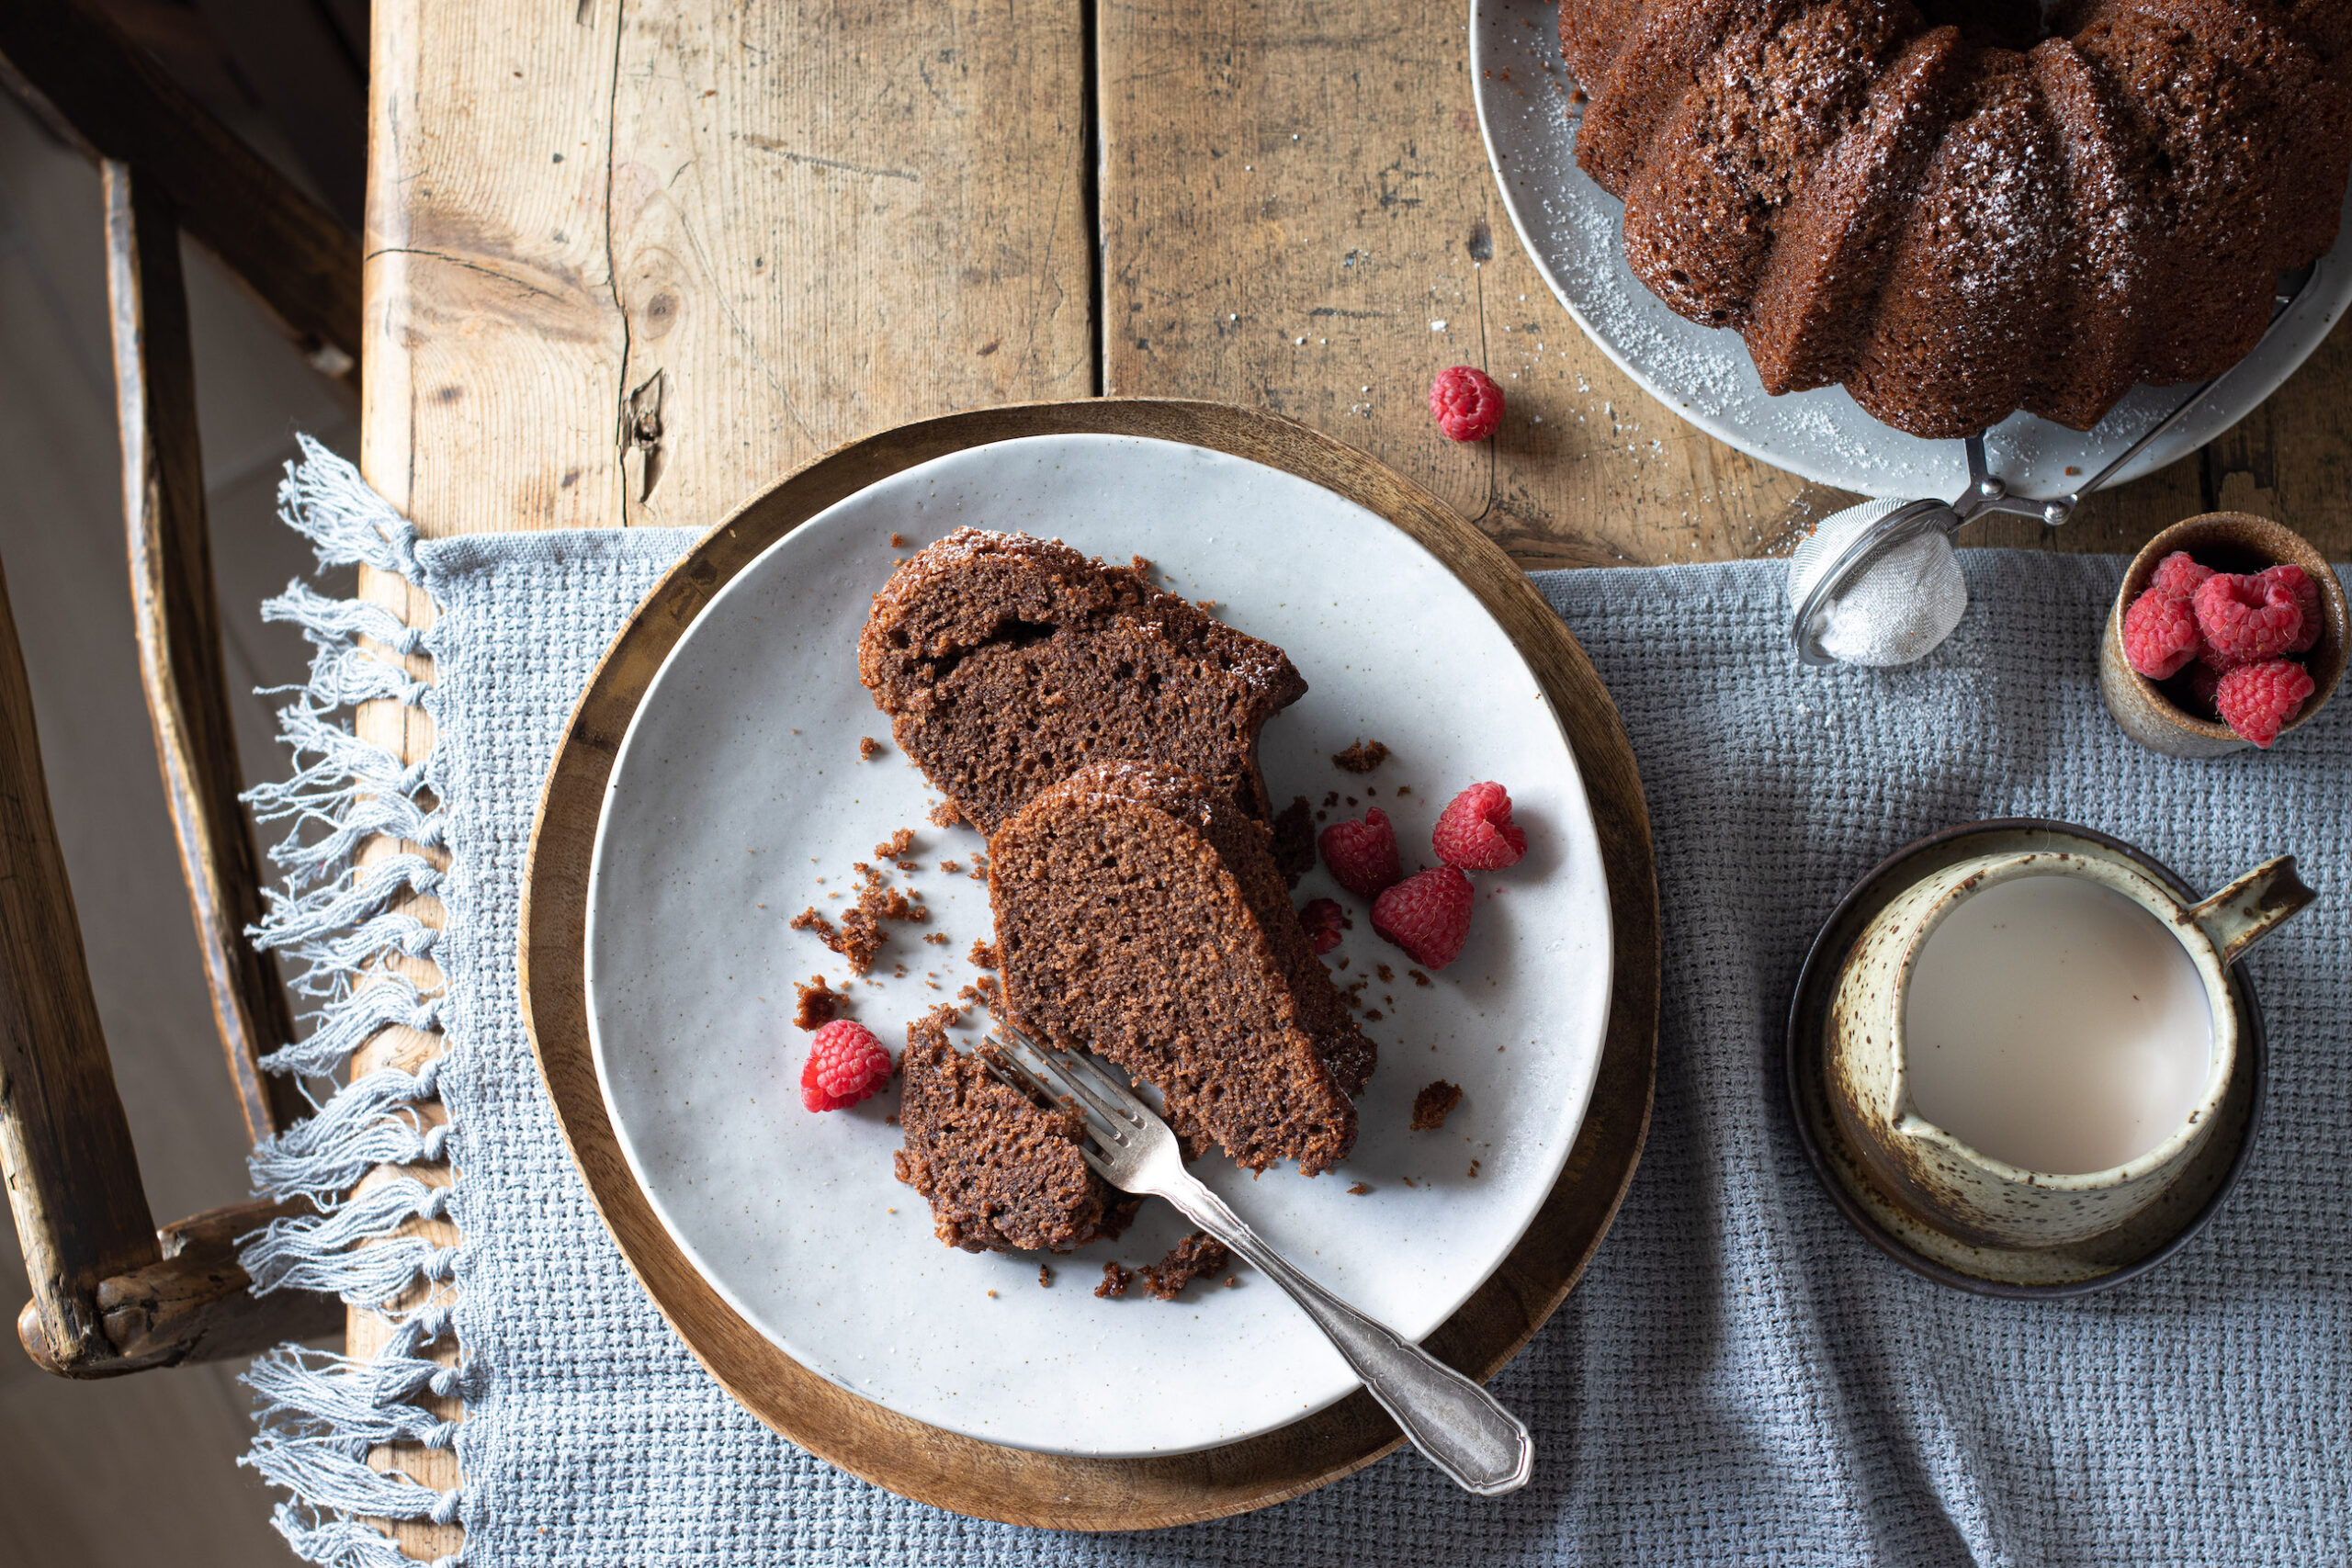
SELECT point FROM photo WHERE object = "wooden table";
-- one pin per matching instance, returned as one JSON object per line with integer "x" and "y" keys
{"x": 629, "y": 264}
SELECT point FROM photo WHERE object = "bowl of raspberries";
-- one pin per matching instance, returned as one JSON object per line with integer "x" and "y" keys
{"x": 2229, "y": 631}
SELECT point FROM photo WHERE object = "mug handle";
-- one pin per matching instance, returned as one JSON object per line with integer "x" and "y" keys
{"x": 2253, "y": 906}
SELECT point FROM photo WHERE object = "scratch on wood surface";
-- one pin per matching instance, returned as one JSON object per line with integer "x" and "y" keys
{"x": 770, "y": 144}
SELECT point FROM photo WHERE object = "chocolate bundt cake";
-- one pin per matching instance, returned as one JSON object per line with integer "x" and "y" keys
{"x": 1002, "y": 1172}
{"x": 1006, "y": 661}
{"x": 1140, "y": 915}
{"x": 1956, "y": 221}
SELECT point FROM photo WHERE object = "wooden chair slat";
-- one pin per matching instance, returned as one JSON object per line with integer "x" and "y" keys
{"x": 65, "y": 1151}
{"x": 300, "y": 263}
{"x": 176, "y": 611}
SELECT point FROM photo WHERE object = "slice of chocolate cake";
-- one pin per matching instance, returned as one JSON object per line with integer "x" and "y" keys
{"x": 1002, "y": 1172}
{"x": 1006, "y": 661}
{"x": 1139, "y": 915}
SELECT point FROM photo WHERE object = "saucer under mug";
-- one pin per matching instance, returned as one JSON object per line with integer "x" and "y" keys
{"x": 1916, "y": 1233}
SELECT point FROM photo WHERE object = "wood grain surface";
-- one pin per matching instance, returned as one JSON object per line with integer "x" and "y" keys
{"x": 631, "y": 263}
{"x": 985, "y": 1479}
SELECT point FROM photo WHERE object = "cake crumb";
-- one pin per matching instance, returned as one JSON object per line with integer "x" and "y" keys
{"x": 1230, "y": 1281}
{"x": 1374, "y": 1015}
{"x": 895, "y": 847}
{"x": 1046, "y": 1275}
{"x": 1419, "y": 978}
{"x": 868, "y": 747}
{"x": 992, "y": 1295}
{"x": 1330, "y": 798}
{"x": 892, "y": 1119}
{"x": 1434, "y": 1104}
{"x": 950, "y": 867}
{"x": 1407, "y": 1180}
{"x": 1357, "y": 1190}
{"x": 899, "y": 542}
{"x": 817, "y": 1003}
{"x": 944, "y": 815}
{"x": 1116, "y": 1281}
{"x": 1361, "y": 757}
{"x": 1140, "y": 565}
{"x": 1385, "y": 973}
{"x": 1473, "y": 1170}
{"x": 936, "y": 939}
{"x": 1403, "y": 790}
{"x": 983, "y": 954}
{"x": 1196, "y": 1255}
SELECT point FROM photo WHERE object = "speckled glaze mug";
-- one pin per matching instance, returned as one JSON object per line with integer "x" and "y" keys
{"x": 1944, "y": 1181}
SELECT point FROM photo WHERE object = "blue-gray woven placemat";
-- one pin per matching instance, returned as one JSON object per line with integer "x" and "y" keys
{"x": 1740, "y": 1377}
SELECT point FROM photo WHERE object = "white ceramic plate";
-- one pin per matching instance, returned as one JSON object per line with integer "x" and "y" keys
{"x": 1575, "y": 233}
{"x": 739, "y": 786}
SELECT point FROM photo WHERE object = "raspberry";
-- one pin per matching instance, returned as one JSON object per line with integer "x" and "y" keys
{"x": 2254, "y": 700}
{"x": 2160, "y": 633}
{"x": 1476, "y": 832}
{"x": 1426, "y": 914}
{"x": 1321, "y": 918}
{"x": 1467, "y": 403}
{"x": 845, "y": 1066}
{"x": 1361, "y": 853}
{"x": 2298, "y": 581}
{"x": 2244, "y": 620}
{"x": 2176, "y": 573}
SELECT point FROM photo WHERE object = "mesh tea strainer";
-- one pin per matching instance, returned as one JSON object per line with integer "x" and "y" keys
{"x": 1879, "y": 584}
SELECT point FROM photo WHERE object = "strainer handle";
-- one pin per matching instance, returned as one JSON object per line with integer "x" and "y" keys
{"x": 1988, "y": 492}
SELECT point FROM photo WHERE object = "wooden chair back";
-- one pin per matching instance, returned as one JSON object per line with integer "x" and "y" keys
{"x": 112, "y": 1292}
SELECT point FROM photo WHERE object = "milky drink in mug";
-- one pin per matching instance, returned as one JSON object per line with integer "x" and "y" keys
{"x": 2027, "y": 1048}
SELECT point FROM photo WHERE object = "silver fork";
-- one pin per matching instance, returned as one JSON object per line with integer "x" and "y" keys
{"x": 1459, "y": 1426}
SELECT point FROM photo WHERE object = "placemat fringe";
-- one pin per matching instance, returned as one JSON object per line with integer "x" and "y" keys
{"x": 336, "y": 922}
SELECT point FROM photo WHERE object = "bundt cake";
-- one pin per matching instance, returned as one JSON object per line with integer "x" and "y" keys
{"x": 1140, "y": 915}
{"x": 1005, "y": 661}
{"x": 1959, "y": 220}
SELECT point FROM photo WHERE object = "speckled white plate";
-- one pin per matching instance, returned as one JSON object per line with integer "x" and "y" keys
{"x": 738, "y": 787}
{"x": 1575, "y": 233}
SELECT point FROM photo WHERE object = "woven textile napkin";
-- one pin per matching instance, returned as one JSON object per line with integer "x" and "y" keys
{"x": 1739, "y": 1377}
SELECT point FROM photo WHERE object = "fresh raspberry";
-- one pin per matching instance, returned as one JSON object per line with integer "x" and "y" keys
{"x": 2244, "y": 620}
{"x": 2176, "y": 573}
{"x": 2160, "y": 633}
{"x": 1361, "y": 853}
{"x": 845, "y": 1066}
{"x": 2254, "y": 700}
{"x": 2298, "y": 581}
{"x": 1320, "y": 919}
{"x": 1427, "y": 915}
{"x": 1467, "y": 403}
{"x": 1475, "y": 833}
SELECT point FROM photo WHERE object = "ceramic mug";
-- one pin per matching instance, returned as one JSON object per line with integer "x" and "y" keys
{"x": 1940, "y": 1178}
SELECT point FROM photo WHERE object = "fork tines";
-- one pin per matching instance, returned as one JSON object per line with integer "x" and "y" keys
{"x": 1111, "y": 1110}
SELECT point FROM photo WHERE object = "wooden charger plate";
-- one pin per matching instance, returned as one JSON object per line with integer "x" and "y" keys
{"x": 988, "y": 1480}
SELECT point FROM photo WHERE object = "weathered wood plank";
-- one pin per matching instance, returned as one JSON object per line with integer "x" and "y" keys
{"x": 177, "y": 613}
{"x": 699, "y": 244}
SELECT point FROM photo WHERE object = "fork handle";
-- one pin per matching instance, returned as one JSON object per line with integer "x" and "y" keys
{"x": 1456, "y": 1424}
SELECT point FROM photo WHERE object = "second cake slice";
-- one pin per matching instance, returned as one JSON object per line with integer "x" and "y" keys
{"x": 1140, "y": 915}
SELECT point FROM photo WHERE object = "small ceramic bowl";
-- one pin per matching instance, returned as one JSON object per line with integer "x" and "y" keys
{"x": 2227, "y": 541}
